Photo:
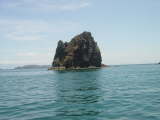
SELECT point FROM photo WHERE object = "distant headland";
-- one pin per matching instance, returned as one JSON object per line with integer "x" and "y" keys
{"x": 32, "y": 66}
{"x": 82, "y": 52}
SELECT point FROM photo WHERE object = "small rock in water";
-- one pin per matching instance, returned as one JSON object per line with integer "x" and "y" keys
{"x": 81, "y": 52}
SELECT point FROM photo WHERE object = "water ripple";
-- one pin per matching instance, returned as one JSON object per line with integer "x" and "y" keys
{"x": 128, "y": 92}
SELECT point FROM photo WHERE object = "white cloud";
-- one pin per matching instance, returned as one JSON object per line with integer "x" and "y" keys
{"x": 32, "y": 54}
{"x": 47, "y": 5}
{"x": 29, "y": 58}
{"x": 24, "y": 37}
{"x": 16, "y": 30}
{"x": 27, "y": 54}
{"x": 23, "y": 29}
{"x": 65, "y": 7}
{"x": 34, "y": 29}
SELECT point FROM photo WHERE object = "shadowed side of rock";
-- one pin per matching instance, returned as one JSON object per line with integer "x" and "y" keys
{"x": 81, "y": 52}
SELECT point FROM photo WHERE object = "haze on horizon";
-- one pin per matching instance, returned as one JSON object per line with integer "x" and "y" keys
{"x": 127, "y": 32}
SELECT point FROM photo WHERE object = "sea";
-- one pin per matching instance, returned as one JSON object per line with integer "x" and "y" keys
{"x": 117, "y": 92}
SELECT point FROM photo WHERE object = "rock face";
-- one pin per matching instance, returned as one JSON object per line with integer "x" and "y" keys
{"x": 81, "y": 52}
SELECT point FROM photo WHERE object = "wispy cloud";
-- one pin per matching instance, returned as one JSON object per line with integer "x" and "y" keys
{"x": 47, "y": 5}
{"x": 22, "y": 37}
{"x": 32, "y": 54}
{"x": 29, "y": 58}
{"x": 27, "y": 32}
{"x": 33, "y": 29}
{"x": 21, "y": 25}
{"x": 34, "y": 58}
{"x": 28, "y": 54}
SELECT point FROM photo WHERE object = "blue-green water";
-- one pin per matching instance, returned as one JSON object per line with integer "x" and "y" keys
{"x": 129, "y": 92}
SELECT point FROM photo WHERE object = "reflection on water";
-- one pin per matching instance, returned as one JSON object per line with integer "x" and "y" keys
{"x": 78, "y": 97}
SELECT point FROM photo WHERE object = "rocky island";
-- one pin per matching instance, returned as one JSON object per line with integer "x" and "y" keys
{"x": 82, "y": 52}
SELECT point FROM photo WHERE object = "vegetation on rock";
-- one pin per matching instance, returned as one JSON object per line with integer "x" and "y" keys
{"x": 81, "y": 52}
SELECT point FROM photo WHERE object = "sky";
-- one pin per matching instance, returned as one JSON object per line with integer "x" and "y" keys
{"x": 127, "y": 31}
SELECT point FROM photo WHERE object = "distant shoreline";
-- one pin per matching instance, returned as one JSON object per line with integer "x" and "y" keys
{"x": 48, "y": 67}
{"x": 32, "y": 66}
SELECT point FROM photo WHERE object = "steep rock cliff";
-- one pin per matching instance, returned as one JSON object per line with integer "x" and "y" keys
{"x": 81, "y": 52}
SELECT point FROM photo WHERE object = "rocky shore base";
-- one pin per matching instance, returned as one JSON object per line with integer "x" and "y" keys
{"x": 77, "y": 68}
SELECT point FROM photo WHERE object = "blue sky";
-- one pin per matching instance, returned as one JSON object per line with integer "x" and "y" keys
{"x": 127, "y": 31}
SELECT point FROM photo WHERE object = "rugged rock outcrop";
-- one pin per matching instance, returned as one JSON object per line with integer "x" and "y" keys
{"x": 81, "y": 52}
